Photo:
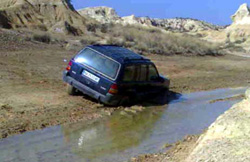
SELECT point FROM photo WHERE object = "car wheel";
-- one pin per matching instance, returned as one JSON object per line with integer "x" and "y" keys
{"x": 125, "y": 101}
{"x": 71, "y": 90}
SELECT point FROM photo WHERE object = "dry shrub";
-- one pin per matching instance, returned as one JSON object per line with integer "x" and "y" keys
{"x": 45, "y": 38}
{"x": 159, "y": 42}
{"x": 89, "y": 40}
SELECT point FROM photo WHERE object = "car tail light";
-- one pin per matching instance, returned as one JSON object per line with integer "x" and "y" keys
{"x": 113, "y": 89}
{"x": 69, "y": 65}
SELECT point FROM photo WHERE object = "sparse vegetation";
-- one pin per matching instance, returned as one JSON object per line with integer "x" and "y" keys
{"x": 88, "y": 40}
{"x": 92, "y": 27}
{"x": 159, "y": 42}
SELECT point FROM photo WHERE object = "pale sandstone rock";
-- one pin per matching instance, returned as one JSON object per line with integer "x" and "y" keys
{"x": 242, "y": 15}
{"x": 235, "y": 35}
{"x": 108, "y": 15}
{"x": 239, "y": 32}
{"x": 102, "y": 14}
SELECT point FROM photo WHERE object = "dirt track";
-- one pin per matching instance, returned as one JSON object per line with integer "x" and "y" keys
{"x": 33, "y": 95}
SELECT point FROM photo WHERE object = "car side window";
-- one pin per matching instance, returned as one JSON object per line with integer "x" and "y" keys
{"x": 129, "y": 73}
{"x": 143, "y": 73}
{"x": 139, "y": 73}
{"x": 152, "y": 72}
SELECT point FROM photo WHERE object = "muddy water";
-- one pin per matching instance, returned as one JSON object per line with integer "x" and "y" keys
{"x": 123, "y": 135}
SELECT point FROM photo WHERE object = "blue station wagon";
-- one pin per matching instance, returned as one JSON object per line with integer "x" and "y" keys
{"x": 113, "y": 75}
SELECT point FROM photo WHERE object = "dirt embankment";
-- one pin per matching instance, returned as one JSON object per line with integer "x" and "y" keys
{"x": 177, "y": 152}
{"x": 33, "y": 94}
{"x": 227, "y": 139}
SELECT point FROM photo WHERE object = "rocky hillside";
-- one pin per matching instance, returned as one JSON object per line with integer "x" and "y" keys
{"x": 109, "y": 15}
{"x": 48, "y": 15}
{"x": 59, "y": 16}
{"x": 234, "y": 38}
{"x": 41, "y": 19}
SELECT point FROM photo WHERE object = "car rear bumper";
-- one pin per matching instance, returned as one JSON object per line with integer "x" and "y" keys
{"x": 107, "y": 99}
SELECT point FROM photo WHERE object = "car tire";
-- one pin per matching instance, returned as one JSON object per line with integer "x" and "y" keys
{"x": 71, "y": 90}
{"x": 125, "y": 101}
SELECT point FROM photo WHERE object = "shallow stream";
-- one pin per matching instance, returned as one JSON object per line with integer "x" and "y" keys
{"x": 122, "y": 135}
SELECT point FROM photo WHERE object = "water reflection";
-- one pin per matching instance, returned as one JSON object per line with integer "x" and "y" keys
{"x": 115, "y": 134}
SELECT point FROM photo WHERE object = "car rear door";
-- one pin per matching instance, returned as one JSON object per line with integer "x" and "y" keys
{"x": 95, "y": 70}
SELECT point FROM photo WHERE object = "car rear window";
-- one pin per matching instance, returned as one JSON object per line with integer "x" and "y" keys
{"x": 98, "y": 62}
{"x": 139, "y": 73}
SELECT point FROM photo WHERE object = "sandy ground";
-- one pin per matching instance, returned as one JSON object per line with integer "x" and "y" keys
{"x": 33, "y": 94}
{"x": 189, "y": 74}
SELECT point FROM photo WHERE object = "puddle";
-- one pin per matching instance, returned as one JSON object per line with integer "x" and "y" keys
{"x": 121, "y": 137}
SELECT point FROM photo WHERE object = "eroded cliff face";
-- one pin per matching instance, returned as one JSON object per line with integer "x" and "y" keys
{"x": 48, "y": 15}
{"x": 20, "y": 13}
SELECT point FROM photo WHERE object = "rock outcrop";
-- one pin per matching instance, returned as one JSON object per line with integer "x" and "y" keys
{"x": 101, "y": 14}
{"x": 227, "y": 139}
{"x": 20, "y": 13}
{"x": 47, "y": 15}
{"x": 239, "y": 32}
{"x": 108, "y": 15}
{"x": 242, "y": 15}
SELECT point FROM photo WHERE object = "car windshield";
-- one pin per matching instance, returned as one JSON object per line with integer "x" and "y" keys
{"x": 98, "y": 62}
{"x": 139, "y": 73}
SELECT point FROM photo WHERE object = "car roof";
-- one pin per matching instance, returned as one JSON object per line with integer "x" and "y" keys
{"x": 118, "y": 53}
